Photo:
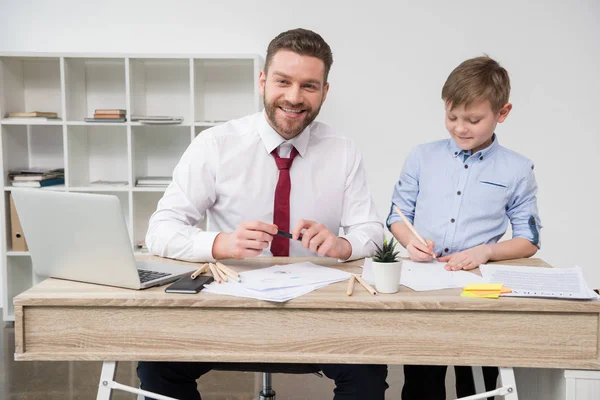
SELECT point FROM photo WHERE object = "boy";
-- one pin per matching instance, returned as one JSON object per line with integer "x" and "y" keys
{"x": 460, "y": 193}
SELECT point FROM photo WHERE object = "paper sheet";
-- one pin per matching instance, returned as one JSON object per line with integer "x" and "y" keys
{"x": 426, "y": 276}
{"x": 527, "y": 281}
{"x": 279, "y": 283}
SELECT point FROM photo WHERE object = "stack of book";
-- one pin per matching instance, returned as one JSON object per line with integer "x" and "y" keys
{"x": 153, "y": 181}
{"x": 32, "y": 116}
{"x": 37, "y": 177}
{"x": 108, "y": 115}
{"x": 157, "y": 119}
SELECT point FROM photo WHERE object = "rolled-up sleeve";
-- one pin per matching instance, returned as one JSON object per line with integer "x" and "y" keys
{"x": 406, "y": 190}
{"x": 522, "y": 209}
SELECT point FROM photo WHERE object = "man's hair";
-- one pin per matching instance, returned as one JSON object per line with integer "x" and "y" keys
{"x": 477, "y": 79}
{"x": 303, "y": 42}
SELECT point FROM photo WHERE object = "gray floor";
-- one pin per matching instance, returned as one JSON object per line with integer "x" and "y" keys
{"x": 36, "y": 380}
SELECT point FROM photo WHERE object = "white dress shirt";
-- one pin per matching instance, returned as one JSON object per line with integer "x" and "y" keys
{"x": 228, "y": 175}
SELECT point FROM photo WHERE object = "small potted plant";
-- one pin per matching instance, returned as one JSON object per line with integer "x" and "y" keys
{"x": 387, "y": 267}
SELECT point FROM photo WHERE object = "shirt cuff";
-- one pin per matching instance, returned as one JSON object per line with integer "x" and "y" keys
{"x": 203, "y": 244}
{"x": 393, "y": 218}
{"x": 356, "y": 247}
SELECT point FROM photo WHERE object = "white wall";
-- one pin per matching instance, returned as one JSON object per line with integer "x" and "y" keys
{"x": 391, "y": 59}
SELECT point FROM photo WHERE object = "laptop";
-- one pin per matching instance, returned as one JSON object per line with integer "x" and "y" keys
{"x": 83, "y": 237}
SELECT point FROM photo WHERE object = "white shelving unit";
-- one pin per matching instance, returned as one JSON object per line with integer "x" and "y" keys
{"x": 203, "y": 89}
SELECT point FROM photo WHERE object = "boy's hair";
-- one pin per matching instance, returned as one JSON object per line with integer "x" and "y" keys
{"x": 303, "y": 42}
{"x": 477, "y": 79}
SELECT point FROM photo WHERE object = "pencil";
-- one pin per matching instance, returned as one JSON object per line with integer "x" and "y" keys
{"x": 228, "y": 271}
{"x": 350, "y": 285}
{"x": 199, "y": 271}
{"x": 222, "y": 274}
{"x": 365, "y": 285}
{"x": 215, "y": 273}
{"x": 412, "y": 228}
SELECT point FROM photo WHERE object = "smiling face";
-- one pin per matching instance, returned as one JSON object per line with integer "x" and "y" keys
{"x": 294, "y": 90}
{"x": 472, "y": 127}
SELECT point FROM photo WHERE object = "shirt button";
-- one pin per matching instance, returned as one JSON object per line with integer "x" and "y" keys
{"x": 466, "y": 166}
{"x": 481, "y": 158}
{"x": 452, "y": 220}
{"x": 446, "y": 250}
{"x": 456, "y": 153}
{"x": 459, "y": 193}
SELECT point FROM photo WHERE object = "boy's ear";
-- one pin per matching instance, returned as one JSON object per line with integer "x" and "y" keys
{"x": 504, "y": 111}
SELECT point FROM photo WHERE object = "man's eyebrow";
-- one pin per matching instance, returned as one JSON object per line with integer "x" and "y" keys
{"x": 311, "y": 81}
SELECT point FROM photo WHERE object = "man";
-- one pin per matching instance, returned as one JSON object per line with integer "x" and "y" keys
{"x": 254, "y": 176}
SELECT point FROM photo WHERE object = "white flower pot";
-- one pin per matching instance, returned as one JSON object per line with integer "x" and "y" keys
{"x": 387, "y": 276}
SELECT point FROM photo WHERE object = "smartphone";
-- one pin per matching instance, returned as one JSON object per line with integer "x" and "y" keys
{"x": 186, "y": 284}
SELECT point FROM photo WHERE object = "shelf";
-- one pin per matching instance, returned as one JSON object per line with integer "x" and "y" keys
{"x": 7, "y": 121}
{"x": 11, "y": 253}
{"x": 136, "y": 123}
{"x": 157, "y": 149}
{"x": 99, "y": 188}
{"x": 94, "y": 83}
{"x": 149, "y": 189}
{"x": 57, "y": 188}
{"x": 83, "y": 123}
{"x": 97, "y": 153}
{"x": 208, "y": 124}
{"x": 31, "y": 146}
{"x": 160, "y": 87}
{"x": 30, "y": 84}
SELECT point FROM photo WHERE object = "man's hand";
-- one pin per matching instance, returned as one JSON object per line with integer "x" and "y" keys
{"x": 467, "y": 259}
{"x": 418, "y": 251}
{"x": 319, "y": 239}
{"x": 248, "y": 240}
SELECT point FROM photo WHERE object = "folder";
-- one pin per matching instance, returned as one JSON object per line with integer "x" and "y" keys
{"x": 16, "y": 232}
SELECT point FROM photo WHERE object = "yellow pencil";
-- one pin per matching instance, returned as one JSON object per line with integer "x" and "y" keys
{"x": 366, "y": 285}
{"x": 350, "y": 285}
{"x": 412, "y": 228}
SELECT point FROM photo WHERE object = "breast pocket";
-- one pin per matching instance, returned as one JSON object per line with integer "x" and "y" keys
{"x": 491, "y": 196}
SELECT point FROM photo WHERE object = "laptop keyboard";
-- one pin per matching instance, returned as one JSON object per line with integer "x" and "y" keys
{"x": 147, "y": 275}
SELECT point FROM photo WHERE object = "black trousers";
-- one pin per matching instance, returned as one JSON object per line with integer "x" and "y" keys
{"x": 178, "y": 379}
{"x": 428, "y": 382}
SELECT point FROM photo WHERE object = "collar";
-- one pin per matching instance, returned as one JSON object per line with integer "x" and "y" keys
{"x": 272, "y": 140}
{"x": 481, "y": 154}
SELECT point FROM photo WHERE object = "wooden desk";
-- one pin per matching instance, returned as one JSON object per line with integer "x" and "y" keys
{"x": 62, "y": 320}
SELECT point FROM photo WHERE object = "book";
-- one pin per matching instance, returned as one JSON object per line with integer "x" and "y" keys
{"x": 35, "y": 177}
{"x": 33, "y": 114}
{"x": 105, "y": 119}
{"x": 108, "y": 116}
{"x": 34, "y": 184}
{"x": 110, "y": 111}
{"x": 154, "y": 181}
{"x": 36, "y": 174}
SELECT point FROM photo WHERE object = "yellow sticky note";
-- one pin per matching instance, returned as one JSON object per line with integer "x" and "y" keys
{"x": 484, "y": 287}
{"x": 486, "y": 295}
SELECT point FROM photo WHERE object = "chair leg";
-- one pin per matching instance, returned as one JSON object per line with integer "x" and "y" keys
{"x": 267, "y": 392}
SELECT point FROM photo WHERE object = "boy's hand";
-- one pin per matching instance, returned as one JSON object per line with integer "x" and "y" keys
{"x": 467, "y": 259}
{"x": 418, "y": 251}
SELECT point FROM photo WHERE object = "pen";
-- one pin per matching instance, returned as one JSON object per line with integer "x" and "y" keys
{"x": 366, "y": 285}
{"x": 286, "y": 235}
{"x": 412, "y": 228}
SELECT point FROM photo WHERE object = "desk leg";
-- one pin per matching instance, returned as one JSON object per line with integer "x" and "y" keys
{"x": 107, "y": 384}
{"x": 508, "y": 387}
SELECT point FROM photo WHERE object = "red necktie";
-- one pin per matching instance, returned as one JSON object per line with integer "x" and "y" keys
{"x": 281, "y": 211}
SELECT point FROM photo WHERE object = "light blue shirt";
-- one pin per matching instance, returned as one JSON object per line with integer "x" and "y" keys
{"x": 461, "y": 200}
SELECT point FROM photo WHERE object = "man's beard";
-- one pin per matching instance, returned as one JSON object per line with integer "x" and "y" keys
{"x": 289, "y": 128}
